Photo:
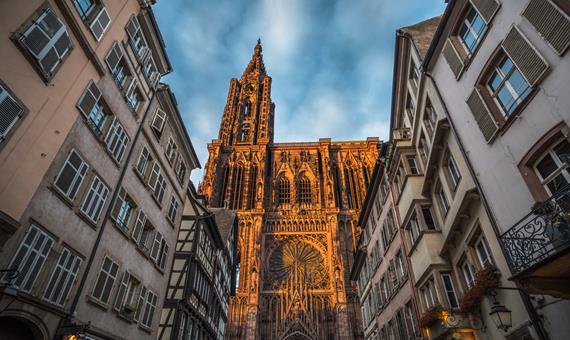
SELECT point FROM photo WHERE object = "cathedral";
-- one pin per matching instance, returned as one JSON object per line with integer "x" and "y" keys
{"x": 297, "y": 206}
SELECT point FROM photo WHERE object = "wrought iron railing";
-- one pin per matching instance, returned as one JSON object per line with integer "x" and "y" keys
{"x": 540, "y": 234}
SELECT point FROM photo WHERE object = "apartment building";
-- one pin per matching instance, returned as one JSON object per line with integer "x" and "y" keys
{"x": 502, "y": 68}
{"x": 381, "y": 267}
{"x": 95, "y": 163}
{"x": 455, "y": 258}
{"x": 202, "y": 276}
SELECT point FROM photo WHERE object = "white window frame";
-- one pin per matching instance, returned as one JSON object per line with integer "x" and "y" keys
{"x": 468, "y": 274}
{"x": 97, "y": 20}
{"x": 117, "y": 140}
{"x": 95, "y": 199}
{"x": 109, "y": 280}
{"x": 453, "y": 171}
{"x": 50, "y": 45}
{"x": 448, "y": 276}
{"x": 77, "y": 179}
{"x": 33, "y": 251}
{"x": 63, "y": 276}
{"x": 173, "y": 209}
{"x": 562, "y": 167}
{"x": 488, "y": 259}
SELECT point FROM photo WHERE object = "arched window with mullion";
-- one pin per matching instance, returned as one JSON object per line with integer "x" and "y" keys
{"x": 304, "y": 191}
{"x": 284, "y": 191}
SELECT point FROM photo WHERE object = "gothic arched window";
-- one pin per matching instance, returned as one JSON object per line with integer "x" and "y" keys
{"x": 304, "y": 191}
{"x": 284, "y": 193}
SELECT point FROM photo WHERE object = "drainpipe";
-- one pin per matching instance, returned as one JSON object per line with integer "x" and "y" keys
{"x": 107, "y": 214}
{"x": 535, "y": 318}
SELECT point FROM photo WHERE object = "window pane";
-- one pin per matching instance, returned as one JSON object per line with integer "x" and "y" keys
{"x": 546, "y": 166}
{"x": 495, "y": 82}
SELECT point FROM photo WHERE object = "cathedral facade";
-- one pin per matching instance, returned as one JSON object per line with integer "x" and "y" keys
{"x": 297, "y": 205}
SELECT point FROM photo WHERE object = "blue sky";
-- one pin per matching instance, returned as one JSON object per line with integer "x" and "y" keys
{"x": 330, "y": 60}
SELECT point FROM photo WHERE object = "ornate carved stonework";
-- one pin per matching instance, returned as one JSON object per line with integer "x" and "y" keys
{"x": 297, "y": 205}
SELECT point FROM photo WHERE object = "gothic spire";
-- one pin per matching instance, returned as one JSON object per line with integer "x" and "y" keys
{"x": 256, "y": 62}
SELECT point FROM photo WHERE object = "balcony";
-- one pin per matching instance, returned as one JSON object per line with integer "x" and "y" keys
{"x": 537, "y": 247}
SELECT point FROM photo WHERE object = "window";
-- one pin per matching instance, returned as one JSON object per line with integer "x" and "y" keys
{"x": 483, "y": 254}
{"x": 428, "y": 219}
{"x": 410, "y": 108}
{"x": 128, "y": 295}
{"x": 414, "y": 74}
{"x": 133, "y": 96}
{"x": 62, "y": 278}
{"x": 401, "y": 265}
{"x": 429, "y": 294}
{"x": 105, "y": 280}
{"x": 472, "y": 31}
{"x": 158, "y": 121}
{"x": 170, "y": 149}
{"x": 284, "y": 191}
{"x": 116, "y": 64}
{"x": 117, "y": 140}
{"x": 413, "y": 165}
{"x": 123, "y": 209}
{"x": 410, "y": 315}
{"x": 508, "y": 86}
{"x": 157, "y": 182}
{"x": 150, "y": 71}
{"x": 139, "y": 226}
{"x": 468, "y": 274}
{"x": 136, "y": 38}
{"x": 92, "y": 107}
{"x": 30, "y": 257}
{"x": 100, "y": 23}
{"x": 442, "y": 200}
{"x": 84, "y": 7}
{"x": 414, "y": 228}
{"x": 180, "y": 169}
{"x": 304, "y": 191}
{"x": 453, "y": 172}
{"x": 143, "y": 161}
{"x": 47, "y": 41}
{"x": 71, "y": 175}
{"x": 552, "y": 167}
{"x": 140, "y": 303}
{"x": 149, "y": 308}
{"x": 449, "y": 290}
{"x": 172, "y": 209}
{"x": 10, "y": 112}
{"x": 429, "y": 118}
{"x": 95, "y": 199}
{"x": 156, "y": 247}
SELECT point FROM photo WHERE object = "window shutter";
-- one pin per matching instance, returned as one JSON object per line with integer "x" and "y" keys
{"x": 35, "y": 41}
{"x": 453, "y": 58}
{"x": 139, "y": 225}
{"x": 10, "y": 112}
{"x": 526, "y": 58}
{"x": 550, "y": 22}
{"x": 132, "y": 26}
{"x": 158, "y": 121}
{"x": 487, "y": 8}
{"x": 114, "y": 56}
{"x": 37, "y": 37}
{"x": 100, "y": 24}
{"x": 121, "y": 292}
{"x": 89, "y": 99}
{"x": 154, "y": 254}
{"x": 482, "y": 115}
{"x": 154, "y": 175}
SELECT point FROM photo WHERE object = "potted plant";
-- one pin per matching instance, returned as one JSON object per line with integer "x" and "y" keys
{"x": 486, "y": 281}
{"x": 431, "y": 316}
{"x": 129, "y": 308}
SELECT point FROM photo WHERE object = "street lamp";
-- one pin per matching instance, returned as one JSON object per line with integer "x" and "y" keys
{"x": 501, "y": 316}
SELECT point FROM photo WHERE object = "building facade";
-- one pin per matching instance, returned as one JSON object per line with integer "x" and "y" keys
{"x": 381, "y": 266}
{"x": 95, "y": 165}
{"x": 196, "y": 306}
{"x": 297, "y": 205}
{"x": 504, "y": 82}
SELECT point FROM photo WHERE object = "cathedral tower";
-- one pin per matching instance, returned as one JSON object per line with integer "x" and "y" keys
{"x": 297, "y": 206}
